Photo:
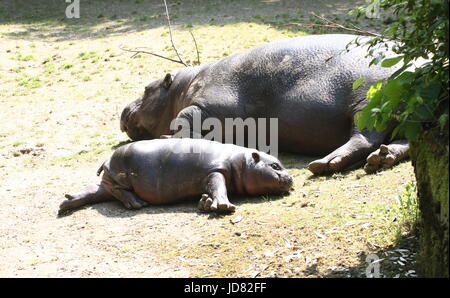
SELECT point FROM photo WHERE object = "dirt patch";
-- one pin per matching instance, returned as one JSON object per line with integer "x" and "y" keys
{"x": 63, "y": 84}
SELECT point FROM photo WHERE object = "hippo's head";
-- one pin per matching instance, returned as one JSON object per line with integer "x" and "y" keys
{"x": 148, "y": 116}
{"x": 265, "y": 174}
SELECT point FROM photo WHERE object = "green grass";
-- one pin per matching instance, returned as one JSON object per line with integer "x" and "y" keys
{"x": 66, "y": 66}
{"x": 88, "y": 55}
{"x": 85, "y": 156}
{"x": 25, "y": 58}
{"x": 32, "y": 82}
{"x": 407, "y": 208}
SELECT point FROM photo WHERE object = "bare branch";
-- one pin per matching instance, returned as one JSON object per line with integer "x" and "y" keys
{"x": 332, "y": 25}
{"x": 136, "y": 51}
{"x": 170, "y": 33}
{"x": 355, "y": 28}
{"x": 196, "y": 48}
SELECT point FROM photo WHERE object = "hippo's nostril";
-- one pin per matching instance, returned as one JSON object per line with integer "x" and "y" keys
{"x": 286, "y": 182}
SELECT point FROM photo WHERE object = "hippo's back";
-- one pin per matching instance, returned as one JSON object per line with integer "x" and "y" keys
{"x": 281, "y": 63}
{"x": 164, "y": 170}
{"x": 305, "y": 82}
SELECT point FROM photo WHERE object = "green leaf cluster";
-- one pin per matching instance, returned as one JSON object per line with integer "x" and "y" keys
{"x": 415, "y": 94}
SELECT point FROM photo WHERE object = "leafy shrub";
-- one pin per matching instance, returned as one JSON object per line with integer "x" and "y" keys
{"x": 416, "y": 99}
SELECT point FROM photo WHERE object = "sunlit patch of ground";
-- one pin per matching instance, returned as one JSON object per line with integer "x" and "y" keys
{"x": 63, "y": 84}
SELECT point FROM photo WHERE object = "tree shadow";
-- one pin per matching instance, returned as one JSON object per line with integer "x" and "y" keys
{"x": 296, "y": 161}
{"x": 102, "y": 18}
{"x": 301, "y": 162}
{"x": 395, "y": 261}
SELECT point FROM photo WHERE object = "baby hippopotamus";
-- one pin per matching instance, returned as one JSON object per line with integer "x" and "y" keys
{"x": 163, "y": 171}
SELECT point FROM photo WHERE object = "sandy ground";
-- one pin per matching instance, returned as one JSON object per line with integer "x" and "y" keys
{"x": 63, "y": 84}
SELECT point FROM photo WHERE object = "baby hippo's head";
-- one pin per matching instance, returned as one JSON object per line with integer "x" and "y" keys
{"x": 265, "y": 174}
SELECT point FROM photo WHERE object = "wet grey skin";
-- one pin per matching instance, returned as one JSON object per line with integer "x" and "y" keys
{"x": 165, "y": 171}
{"x": 306, "y": 82}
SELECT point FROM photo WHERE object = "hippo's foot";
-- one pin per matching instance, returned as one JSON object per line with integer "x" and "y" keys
{"x": 349, "y": 155}
{"x": 129, "y": 199}
{"x": 387, "y": 156}
{"x": 92, "y": 194}
{"x": 136, "y": 203}
{"x": 325, "y": 165}
{"x": 208, "y": 204}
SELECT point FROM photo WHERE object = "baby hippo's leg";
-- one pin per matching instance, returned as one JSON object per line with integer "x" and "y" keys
{"x": 92, "y": 194}
{"x": 216, "y": 198}
{"x": 128, "y": 198}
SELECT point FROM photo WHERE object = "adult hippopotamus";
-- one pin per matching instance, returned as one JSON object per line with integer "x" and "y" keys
{"x": 305, "y": 82}
{"x": 164, "y": 171}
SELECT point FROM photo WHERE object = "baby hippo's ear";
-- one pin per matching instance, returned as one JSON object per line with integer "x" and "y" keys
{"x": 167, "y": 81}
{"x": 256, "y": 157}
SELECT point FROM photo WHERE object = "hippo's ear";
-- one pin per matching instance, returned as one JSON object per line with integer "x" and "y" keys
{"x": 167, "y": 81}
{"x": 256, "y": 156}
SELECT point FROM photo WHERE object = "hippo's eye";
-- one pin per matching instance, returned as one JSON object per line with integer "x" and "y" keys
{"x": 275, "y": 166}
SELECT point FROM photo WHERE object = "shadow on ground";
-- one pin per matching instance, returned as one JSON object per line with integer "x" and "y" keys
{"x": 102, "y": 18}
{"x": 395, "y": 261}
{"x": 116, "y": 208}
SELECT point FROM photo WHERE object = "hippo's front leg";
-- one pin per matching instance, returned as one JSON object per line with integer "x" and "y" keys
{"x": 187, "y": 124}
{"x": 216, "y": 198}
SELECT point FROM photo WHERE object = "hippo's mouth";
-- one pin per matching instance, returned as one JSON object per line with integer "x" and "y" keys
{"x": 138, "y": 133}
{"x": 133, "y": 130}
{"x": 286, "y": 182}
{"x": 124, "y": 119}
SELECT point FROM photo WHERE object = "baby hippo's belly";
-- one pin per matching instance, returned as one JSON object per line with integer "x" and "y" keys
{"x": 163, "y": 187}
{"x": 159, "y": 174}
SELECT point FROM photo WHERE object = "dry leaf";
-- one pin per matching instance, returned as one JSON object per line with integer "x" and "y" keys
{"x": 236, "y": 219}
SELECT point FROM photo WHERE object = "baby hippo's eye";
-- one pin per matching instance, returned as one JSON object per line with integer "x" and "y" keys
{"x": 275, "y": 166}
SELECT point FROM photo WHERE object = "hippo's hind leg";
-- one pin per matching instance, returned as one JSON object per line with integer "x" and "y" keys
{"x": 92, "y": 194}
{"x": 387, "y": 156}
{"x": 129, "y": 199}
{"x": 216, "y": 198}
{"x": 121, "y": 189}
{"x": 351, "y": 154}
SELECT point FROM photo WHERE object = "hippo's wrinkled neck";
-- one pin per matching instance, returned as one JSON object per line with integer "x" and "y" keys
{"x": 238, "y": 169}
{"x": 180, "y": 88}
{"x": 176, "y": 99}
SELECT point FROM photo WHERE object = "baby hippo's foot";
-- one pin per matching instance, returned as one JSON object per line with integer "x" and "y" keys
{"x": 129, "y": 199}
{"x": 133, "y": 202}
{"x": 387, "y": 156}
{"x": 208, "y": 204}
